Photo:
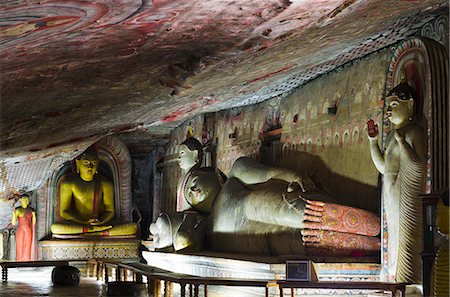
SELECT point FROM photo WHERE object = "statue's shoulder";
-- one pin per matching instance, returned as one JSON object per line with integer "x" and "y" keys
{"x": 215, "y": 172}
{"x": 68, "y": 178}
{"x": 202, "y": 170}
{"x": 103, "y": 180}
{"x": 415, "y": 131}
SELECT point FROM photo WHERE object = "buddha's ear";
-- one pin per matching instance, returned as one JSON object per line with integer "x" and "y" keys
{"x": 77, "y": 163}
{"x": 411, "y": 108}
{"x": 196, "y": 156}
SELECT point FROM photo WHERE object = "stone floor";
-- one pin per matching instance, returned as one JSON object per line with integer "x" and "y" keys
{"x": 32, "y": 282}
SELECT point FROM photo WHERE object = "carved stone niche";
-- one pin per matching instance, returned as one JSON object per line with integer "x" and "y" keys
{"x": 424, "y": 62}
{"x": 115, "y": 164}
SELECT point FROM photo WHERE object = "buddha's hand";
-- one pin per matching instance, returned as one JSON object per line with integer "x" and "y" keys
{"x": 372, "y": 129}
{"x": 95, "y": 222}
{"x": 303, "y": 181}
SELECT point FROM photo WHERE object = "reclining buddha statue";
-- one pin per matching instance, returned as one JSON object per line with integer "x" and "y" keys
{"x": 86, "y": 202}
{"x": 260, "y": 209}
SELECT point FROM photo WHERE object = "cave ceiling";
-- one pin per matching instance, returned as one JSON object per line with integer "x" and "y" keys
{"x": 74, "y": 70}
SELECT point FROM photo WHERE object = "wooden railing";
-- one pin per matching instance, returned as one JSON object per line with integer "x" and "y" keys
{"x": 157, "y": 276}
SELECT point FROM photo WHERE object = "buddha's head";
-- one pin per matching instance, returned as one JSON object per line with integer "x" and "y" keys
{"x": 162, "y": 231}
{"x": 190, "y": 154}
{"x": 400, "y": 104}
{"x": 87, "y": 165}
{"x": 202, "y": 188}
{"x": 24, "y": 201}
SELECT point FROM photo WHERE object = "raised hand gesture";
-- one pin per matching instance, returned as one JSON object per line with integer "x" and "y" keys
{"x": 372, "y": 128}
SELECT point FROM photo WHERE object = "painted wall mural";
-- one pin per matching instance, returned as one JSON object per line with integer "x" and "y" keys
{"x": 330, "y": 144}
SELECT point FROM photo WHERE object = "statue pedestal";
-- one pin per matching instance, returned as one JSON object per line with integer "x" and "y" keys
{"x": 110, "y": 248}
{"x": 212, "y": 264}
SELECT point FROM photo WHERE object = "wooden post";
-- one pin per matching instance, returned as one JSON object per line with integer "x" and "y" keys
{"x": 88, "y": 268}
{"x": 106, "y": 274}
{"x": 98, "y": 270}
{"x": 170, "y": 289}
{"x": 196, "y": 290}
{"x": 95, "y": 270}
{"x": 151, "y": 286}
{"x": 182, "y": 290}
{"x": 157, "y": 288}
{"x": 139, "y": 278}
{"x": 166, "y": 288}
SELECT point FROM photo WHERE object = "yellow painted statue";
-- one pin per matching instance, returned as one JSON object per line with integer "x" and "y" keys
{"x": 87, "y": 203}
{"x": 440, "y": 281}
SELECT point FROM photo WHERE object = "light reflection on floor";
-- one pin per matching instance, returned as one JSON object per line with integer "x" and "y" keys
{"x": 32, "y": 282}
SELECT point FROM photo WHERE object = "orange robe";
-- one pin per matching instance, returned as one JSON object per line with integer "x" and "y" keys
{"x": 24, "y": 236}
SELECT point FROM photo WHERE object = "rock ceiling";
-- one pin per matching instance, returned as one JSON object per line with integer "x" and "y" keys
{"x": 74, "y": 70}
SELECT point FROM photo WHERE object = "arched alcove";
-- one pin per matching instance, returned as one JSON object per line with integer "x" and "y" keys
{"x": 115, "y": 164}
{"x": 424, "y": 64}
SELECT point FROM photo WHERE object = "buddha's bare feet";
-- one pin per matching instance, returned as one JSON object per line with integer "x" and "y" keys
{"x": 340, "y": 218}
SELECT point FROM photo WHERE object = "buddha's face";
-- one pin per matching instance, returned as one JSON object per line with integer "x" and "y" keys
{"x": 399, "y": 111}
{"x": 24, "y": 201}
{"x": 187, "y": 158}
{"x": 162, "y": 232}
{"x": 196, "y": 192}
{"x": 87, "y": 166}
{"x": 201, "y": 190}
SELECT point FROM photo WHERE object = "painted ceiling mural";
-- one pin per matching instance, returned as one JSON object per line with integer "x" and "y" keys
{"x": 78, "y": 70}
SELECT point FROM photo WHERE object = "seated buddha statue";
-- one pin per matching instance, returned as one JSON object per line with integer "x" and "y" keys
{"x": 261, "y": 209}
{"x": 87, "y": 202}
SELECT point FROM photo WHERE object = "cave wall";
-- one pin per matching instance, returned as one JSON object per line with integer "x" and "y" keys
{"x": 331, "y": 146}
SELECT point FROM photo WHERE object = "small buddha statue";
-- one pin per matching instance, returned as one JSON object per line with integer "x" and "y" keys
{"x": 87, "y": 202}
{"x": 24, "y": 217}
